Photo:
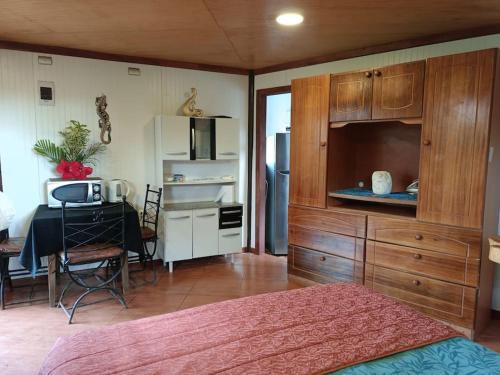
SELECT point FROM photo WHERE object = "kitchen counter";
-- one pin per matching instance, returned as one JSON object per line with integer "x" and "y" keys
{"x": 197, "y": 205}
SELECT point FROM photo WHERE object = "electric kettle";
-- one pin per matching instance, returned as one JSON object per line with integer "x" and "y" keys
{"x": 116, "y": 189}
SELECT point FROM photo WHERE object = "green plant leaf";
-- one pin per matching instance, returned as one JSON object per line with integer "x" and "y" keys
{"x": 49, "y": 150}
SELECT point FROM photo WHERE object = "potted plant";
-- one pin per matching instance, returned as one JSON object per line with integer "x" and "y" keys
{"x": 74, "y": 152}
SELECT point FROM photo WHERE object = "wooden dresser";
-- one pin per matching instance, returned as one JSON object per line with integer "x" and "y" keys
{"x": 436, "y": 121}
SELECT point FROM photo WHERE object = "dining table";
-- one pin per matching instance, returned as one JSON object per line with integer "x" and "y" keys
{"x": 44, "y": 238}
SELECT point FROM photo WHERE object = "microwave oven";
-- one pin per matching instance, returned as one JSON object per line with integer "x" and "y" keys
{"x": 77, "y": 193}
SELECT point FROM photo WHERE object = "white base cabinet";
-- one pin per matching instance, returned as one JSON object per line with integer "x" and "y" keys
{"x": 195, "y": 233}
{"x": 229, "y": 241}
{"x": 205, "y": 232}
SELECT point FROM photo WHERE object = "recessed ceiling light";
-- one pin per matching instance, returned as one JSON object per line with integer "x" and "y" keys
{"x": 290, "y": 19}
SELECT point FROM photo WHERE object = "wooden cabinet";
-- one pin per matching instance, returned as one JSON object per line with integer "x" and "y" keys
{"x": 227, "y": 139}
{"x": 205, "y": 232}
{"x": 178, "y": 235}
{"x": 398, "y": 91}
{"x": 455, "y": 133}
{"x": 391, "y": 92}
{"x": 327, "y": 220}
{"x": 173, "y": 137}
{"x": 308, "y": 144}
{"x": 351, "y": 96}
{"x": 323, "y": 267}
{"x": 449, "y": 240}
{"x": 451, "y": 302}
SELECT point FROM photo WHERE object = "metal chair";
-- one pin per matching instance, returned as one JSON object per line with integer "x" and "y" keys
{"x": 149, "y": 228}
{"x": 11, "y": 248}
{"x": 92, "y": 235}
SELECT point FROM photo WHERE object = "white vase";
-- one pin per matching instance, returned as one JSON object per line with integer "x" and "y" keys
{"x": 381, "y": 182}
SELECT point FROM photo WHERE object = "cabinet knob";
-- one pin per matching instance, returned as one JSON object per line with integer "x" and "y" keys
{"x": 322, "y": 258}
{"x": 377, "y": 73}
{"x": 416, "y": 282}
{"x": 417, "y": 256}
{"x": 368, "y": 74}
{"x": 419, "y": 237}
{"x": 426, "y": 142}
{"x": 322, "y": 143}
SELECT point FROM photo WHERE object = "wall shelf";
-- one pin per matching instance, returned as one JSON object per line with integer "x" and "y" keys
{"x": 375, "y": 199}
{"x": 213, "y": 181}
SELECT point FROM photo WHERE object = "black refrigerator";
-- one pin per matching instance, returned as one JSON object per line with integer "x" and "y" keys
{"x": 277, "y": 175}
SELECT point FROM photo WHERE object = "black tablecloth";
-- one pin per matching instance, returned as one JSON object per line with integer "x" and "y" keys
{"x": 45, "y": 235}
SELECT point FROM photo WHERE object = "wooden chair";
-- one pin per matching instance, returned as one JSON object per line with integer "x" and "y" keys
{"x": 92, "y": 236}
{"x": 149, "y": 228}
{"x": 11, "y": 248}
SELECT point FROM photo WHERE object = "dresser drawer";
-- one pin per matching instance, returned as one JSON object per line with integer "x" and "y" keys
{"x": 424, "y": 262}
{"x": 449, "y": 240}
{"x": 323, "y": 267}
{"x": 328, "y": 221}
{"x": 327, "y": 242}
{"x": 451, "y": 302}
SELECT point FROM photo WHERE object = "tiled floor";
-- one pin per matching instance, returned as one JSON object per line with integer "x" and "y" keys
{"x": 28, "y": 332}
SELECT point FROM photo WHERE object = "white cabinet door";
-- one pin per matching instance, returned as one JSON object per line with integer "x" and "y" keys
{"x": 178, "y": 235}
{"x": 229, "y": 241}
{"x": 205, "y": 232}
{"x": 175, "y": 136}
{"x": 227, "y": 138}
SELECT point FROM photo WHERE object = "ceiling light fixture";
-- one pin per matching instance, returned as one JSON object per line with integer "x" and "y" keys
{"x": 290, "y": 19}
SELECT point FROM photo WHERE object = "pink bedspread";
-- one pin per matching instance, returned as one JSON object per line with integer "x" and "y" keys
{"x": 305, "y": 331}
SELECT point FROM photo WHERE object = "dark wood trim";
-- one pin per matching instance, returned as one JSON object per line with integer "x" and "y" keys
{"x": 250, "y": 127}
{"x": 53, "y": 50}
{"x": 495, "y": 314}
{"x": 260, "y": 164}
{"x": 386, "y": 47}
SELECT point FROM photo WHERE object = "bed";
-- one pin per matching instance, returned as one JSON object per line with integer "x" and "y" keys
{"x": 334, "y": 328}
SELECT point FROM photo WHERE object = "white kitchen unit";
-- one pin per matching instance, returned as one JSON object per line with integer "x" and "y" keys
{"x": 178, "y": 232}
{"x": 172, "y": 137}
{"x": 205, "y": 232}
{"x": 193, "y": 230}
{"x": 227, "y": 138}
{"x": 229, "y": 240}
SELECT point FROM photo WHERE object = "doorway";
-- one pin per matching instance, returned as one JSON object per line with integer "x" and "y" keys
{"x": 273, "y": 113}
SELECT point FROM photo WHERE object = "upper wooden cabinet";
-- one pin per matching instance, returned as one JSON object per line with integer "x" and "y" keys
{"x": 391, "y": 92}
{"x": 398, "y": 91}
{"x": 308, "y": 141}
{"x": 351, "y": 96}
{"x": 455, "y": 131}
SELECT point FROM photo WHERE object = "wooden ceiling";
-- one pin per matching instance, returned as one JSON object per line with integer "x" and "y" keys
{"x": 240, "y": 34}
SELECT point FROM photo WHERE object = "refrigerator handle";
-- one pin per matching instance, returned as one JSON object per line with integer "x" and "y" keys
{"x": 284, "y": 173}
{"x": 267, "y": 188}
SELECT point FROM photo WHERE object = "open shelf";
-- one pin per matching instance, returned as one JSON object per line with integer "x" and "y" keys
{"x": 356, "y": 150}
{"x": 211, "y": 181}
{"x": 400, "y": 199}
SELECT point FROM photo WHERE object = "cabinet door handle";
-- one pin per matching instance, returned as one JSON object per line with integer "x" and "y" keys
{"x": 377, "y": 73}
{"x": 231, "y": 212}
{"x": 426, "y": 142}
{"x": 230, "y": 222}
{"x": 417, "y": 256}
{"x": 230, "y": 235}
{"x": 368, "y": 74}
{"x": 228, "y": 153}
{"x": 179, "y": 217}
{"x": 206, "y": 215}
{"x": 419, "y": 237}
{"x": 176, "y": 153}
{"x": 416, "y": 282}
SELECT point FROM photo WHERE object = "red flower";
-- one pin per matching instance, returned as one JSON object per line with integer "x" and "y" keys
{"x": 73, "y": 170}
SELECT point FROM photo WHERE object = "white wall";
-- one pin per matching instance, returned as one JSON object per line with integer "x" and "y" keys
{"x": 133, "y": 101}
{"x": 411, "y": 54}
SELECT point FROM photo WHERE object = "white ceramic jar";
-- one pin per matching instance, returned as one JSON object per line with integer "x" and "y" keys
{"x": 381, "y": 182}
